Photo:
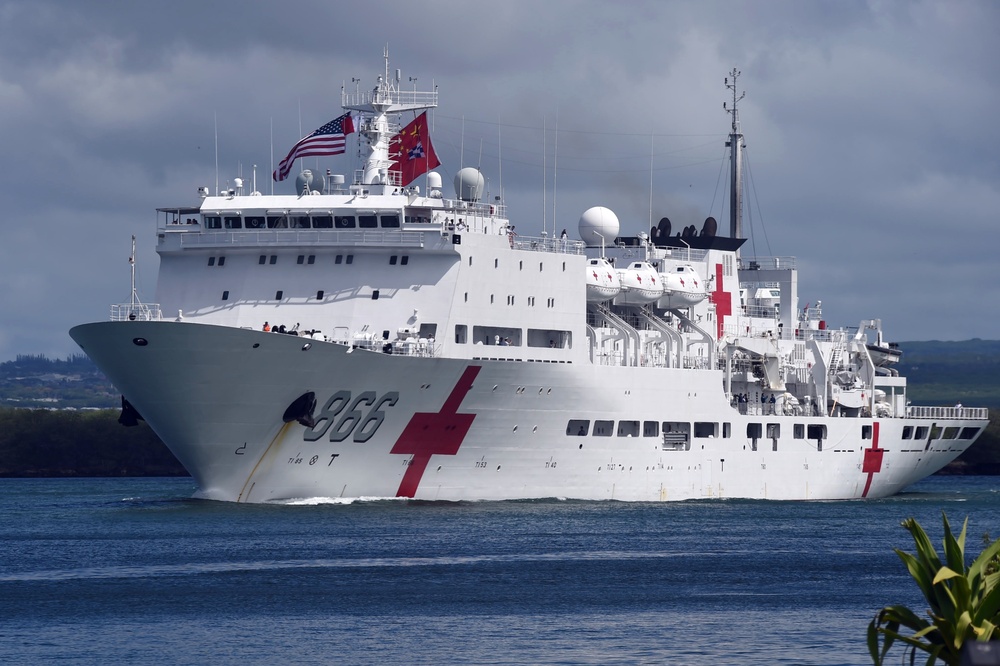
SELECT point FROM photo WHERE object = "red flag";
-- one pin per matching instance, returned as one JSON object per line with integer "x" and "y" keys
{"x": 412, "y": 151}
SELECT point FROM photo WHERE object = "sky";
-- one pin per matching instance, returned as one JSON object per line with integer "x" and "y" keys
{"x": 870, "y": 126}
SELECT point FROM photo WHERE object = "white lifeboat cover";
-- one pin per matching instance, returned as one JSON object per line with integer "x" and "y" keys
{"x": 640, "y": 284}
{"x": 602, "y": 281}
{"x": 682, "y": 287}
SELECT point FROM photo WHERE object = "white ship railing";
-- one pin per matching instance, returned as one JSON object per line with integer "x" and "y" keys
{"x": 416, "y": 98}
{"x": 135, "y": 312}
{"x": 296, "y": 237}
{"x": 547, "y": 244}
{"x": 766, "y": 263}
{"x": 475, "y": 208}
{"x": 920, "y": 412}
{"x": 416, "y": 347}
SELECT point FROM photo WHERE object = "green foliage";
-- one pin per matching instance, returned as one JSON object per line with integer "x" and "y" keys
{"x": 963, "y": 602}
{"x": 44, "y": 443}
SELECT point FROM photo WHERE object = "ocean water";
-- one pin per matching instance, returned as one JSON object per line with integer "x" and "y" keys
{"x": 112, "y": 571}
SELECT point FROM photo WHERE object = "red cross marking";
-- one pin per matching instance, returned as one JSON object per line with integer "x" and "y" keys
{"x": 723, "y": 301}
{"x": 434, "y": 434}
{"x": 873, "y": 460}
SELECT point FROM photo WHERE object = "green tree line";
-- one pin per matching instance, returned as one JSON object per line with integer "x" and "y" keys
{"x": 44, "y": 443}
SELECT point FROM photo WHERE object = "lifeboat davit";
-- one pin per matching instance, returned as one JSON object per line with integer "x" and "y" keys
{"x": 682, "y": 288}
{"x": 641, "y": 284}
{"x": 602, "y": 281}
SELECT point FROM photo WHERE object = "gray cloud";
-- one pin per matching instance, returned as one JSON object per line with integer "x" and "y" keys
{"x": 869, "y": 129}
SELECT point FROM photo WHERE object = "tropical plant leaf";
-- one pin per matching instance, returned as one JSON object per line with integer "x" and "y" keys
{"x": 963, "y": 601}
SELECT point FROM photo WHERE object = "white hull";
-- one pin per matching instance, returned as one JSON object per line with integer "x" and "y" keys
{"x": 449, "y": 357}
{"x": 218, "y": 403}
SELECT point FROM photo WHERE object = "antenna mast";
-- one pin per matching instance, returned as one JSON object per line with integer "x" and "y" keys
{"x": 735, "y": 145}
{"x": 131, "y": 262}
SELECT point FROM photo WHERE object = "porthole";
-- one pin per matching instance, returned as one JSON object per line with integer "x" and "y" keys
{"x": 307, "y": 346}
{"x": 140, "y": 342}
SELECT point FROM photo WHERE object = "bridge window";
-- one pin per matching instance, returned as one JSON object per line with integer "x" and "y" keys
{"x": 273, "y": 259}
{"x": 254, "y": 222}
{"x": 392, "y": 260}
{"x": 213, "y": 222}
{"x": 233, "y": 222}
{"x": 374, "y": 294}
{"x": 907, "y": 432}
{"x": 323, "y": 222}
{"x": 311, "y": 259}
{"x": 319, "y": 295}
{"x": 367, "y": 222}
{"x": 969, "y": 433}
{"x": 951, "y": 432}
{"x": 225, "y": 295}
{"x": 578, "y": 427}
{"x": 706, "y": 429}
{"x": 344, "y": 221}
{"x": 461, "y": 334}
{"x": 262, "y": 260}
{"x": 921, "y": 432}
{"x": 866, "y": 432}
{"x": 799, "y": 431}
{"x": 650, "y": 428}
{"x": 817, "y": 432}
{"x": 603, "y": 428}
{"x": 298, "y": 221}
{"x": 389, "y": 221}
{"x": 277, "y": 222}
{"x": 278, "y": 295}
{"x": 628, "y": 428}
{"x": 211, "y": 261}
{"x": 773, "y": 433}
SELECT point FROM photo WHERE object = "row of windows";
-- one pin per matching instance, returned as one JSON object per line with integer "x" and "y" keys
{"x": 502, "y": 336}
{"x": 520, "y": 264}
{"x": 292, "y": 221}
{"x": 951, "y": 432}
{"x": 311, "y": 259}
{"x": 670, "y": 429}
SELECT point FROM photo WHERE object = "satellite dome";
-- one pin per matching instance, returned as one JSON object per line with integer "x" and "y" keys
{"x": 304, "y": 181}
{"x": 599, "y": 226}
{"x": 469, "y": 184}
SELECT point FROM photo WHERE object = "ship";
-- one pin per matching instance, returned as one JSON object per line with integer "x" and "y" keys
{"x": 381, "y": 336}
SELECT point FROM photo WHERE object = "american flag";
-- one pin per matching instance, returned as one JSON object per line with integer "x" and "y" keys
{"x": 327, "y": 140}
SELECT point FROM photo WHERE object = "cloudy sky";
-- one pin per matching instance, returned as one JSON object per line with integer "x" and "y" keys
{"x": 871, "y": 132}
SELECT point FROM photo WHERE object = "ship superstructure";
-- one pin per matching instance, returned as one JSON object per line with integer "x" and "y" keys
{"x": 379, "y": 339}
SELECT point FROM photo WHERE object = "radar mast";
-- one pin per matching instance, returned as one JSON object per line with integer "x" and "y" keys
{"x": 735, "y": 144}
{"x": 377, "y": 105}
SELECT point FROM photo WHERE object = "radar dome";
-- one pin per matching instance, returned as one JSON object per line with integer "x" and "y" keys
{"x": 469, "y": 184}
{"x": 598, "y": 226}
{"x": 304, "y": 181}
